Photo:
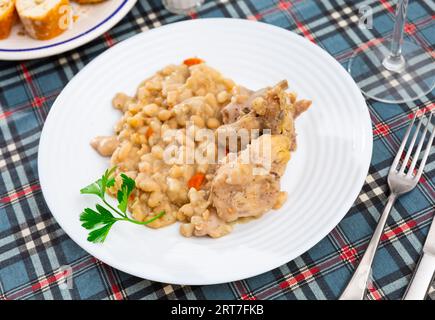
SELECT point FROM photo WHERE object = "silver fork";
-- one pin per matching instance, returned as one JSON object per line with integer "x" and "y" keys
{"x": 399, "y": 183}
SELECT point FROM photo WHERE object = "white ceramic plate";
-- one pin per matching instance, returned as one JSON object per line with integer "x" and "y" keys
{"x": 92, "y": 21}
{"x": 323, "y": 177}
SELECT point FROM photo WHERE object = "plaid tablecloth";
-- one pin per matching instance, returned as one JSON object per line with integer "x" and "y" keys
{"x": 34, "y": 249}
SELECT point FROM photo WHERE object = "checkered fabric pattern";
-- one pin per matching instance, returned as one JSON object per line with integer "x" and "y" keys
{"x": 34, "y": 250}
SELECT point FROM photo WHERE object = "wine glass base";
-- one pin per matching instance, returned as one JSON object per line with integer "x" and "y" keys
{"x": 412, "y": 81}
{"x": 182, "y": 7}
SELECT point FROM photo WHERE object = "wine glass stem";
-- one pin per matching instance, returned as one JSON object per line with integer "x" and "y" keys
{"x": 395, "y": 61}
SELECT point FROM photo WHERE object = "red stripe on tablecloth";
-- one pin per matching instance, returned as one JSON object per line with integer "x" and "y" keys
{"x": 243, "y": 291}
{"x": 369, "y": 44}
{"x": 260, "y": 15}
{"x": 363, "y": 46}
{"x": 348, "y": 253}
{"x": 299, "y": 277}
{"x": 20, "y": 194}
{"x": 38, "y": 101}
{"x": 26, "y": 73}
{"x": 285, "y": 6}
{"x": 375, "y": 293}
{"x": 108, "y": 38}
{"x": 398, "y": 230}
{"x": 6, "y": 114}
{"x": 304, "y": 30}
{"x": 410, "y": 28}
{"x": 254, "y": 17}
{"x": 338, "y": 237}
{"x": 381, "y": 129}
{"x": 387, "y": 5}
{"x": 422, "y": 111}
{"x": 47, "y": 281}
{"x": 427, "y": 186}
{"x": 117, "y": 294}
{"x": 248, "y": 297}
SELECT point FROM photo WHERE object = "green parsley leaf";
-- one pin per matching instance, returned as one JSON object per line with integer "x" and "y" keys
{"x": 92, "y": 218}
{"x": 99, "y": 187}
{"x": 99, "y": 235}
{"x": 106, "y": 215}
{"x": 93, "y": 188}
{"x": 110, "y": 182}
{"x": 123, "y": 194}
{"x": 106, "y": 180}
{"x": 128, "y": 182}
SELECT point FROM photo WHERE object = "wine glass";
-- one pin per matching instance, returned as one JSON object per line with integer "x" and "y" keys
{"x": 393, "y": 71}
{"x": 182, "y": 6}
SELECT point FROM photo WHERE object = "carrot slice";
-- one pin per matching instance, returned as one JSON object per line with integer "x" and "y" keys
{"x": 196, "y": 181}
{"x": 149, "y": 132}
{"x": 192, "y": 61}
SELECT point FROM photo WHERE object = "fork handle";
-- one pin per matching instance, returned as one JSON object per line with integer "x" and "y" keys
{"x": 357, "y": 286}
{"x": 421, "y": 279}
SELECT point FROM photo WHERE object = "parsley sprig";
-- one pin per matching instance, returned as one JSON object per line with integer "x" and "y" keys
{"x": 101, "y": 220}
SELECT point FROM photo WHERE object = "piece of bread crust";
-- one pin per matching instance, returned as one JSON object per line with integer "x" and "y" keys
{"x": 7, "y": 17}
{"x": 44, "y": 19}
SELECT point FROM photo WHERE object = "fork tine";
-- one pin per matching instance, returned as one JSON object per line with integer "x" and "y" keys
{"x": 411, "y": 146}
{"x": 420, "y": 145}
{"x": 402, "y": 146}
{"x": 426, "y": 154}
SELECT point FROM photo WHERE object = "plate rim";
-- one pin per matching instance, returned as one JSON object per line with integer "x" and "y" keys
{"x": 347, "y": 203}
{"x": 68, "y": 44}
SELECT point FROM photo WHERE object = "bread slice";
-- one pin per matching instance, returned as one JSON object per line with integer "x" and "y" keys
{"x": 88, "y": 1}
{"x": 7, "y": 17}
{"x": 44, "y": 19}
